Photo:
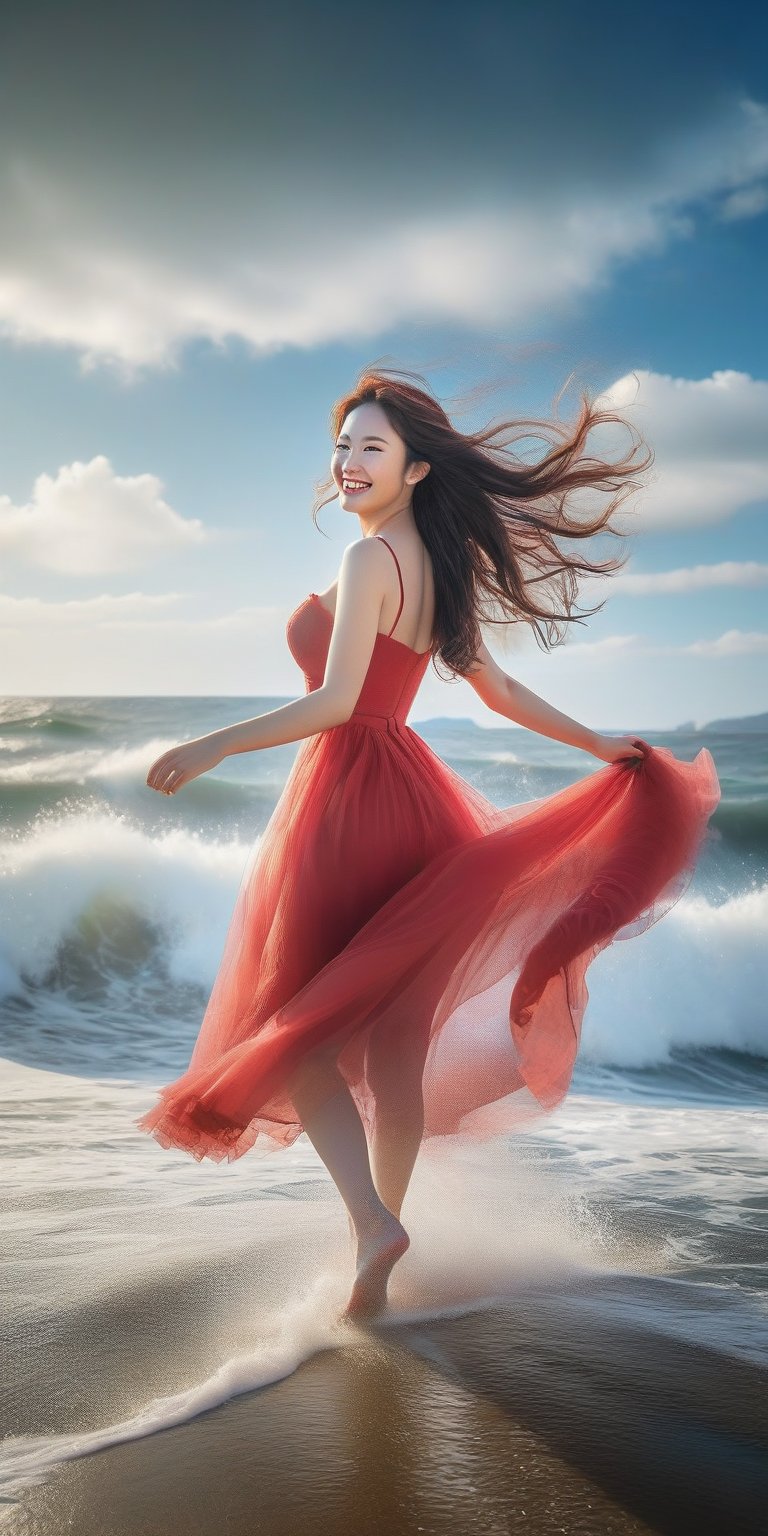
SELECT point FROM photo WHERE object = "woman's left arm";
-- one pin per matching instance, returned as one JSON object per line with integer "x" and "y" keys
{"x": 535, "y": 714}
{"x": 506, "y": 696}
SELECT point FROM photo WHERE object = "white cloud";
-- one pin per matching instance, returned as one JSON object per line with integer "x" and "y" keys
{"x": 745, "y": 204}
{"x": 86, "y": 520}
{"x": 607, "y": 649}
{"x": 735, "y": 642}
{"x": 122, "y": 283}
{"x": 710, "y": 440}
{"x": 128, "y": 644}
{"x": 134, "y": 613}
{"x": 687, "y": 578}
{"x": 127, "y": 608}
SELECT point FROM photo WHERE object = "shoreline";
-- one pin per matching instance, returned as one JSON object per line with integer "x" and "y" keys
{"x": 540, "y": 1414}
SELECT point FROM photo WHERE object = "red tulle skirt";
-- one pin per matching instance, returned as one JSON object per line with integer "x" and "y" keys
{"x": 395, "y": 927}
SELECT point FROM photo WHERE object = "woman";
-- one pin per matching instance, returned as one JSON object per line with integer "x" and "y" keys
{"x": 405, "y": 959}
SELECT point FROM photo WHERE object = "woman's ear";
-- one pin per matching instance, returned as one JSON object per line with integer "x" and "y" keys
{"x": 422, "y": 469}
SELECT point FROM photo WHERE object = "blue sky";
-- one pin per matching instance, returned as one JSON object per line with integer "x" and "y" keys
{"x": 213, "y": 221}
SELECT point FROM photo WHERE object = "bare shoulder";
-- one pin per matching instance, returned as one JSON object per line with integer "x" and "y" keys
{"x": 364, "y": 560}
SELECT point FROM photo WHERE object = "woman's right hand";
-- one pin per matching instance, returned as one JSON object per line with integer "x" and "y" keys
{"x": 179, "y": 764}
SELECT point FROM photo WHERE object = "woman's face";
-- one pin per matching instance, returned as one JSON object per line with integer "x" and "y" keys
{"x": 369, "y": 452}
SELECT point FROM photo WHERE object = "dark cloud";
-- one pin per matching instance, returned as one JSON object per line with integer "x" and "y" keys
{"x": 417, "y": 96}
{"x": 291, "y": 175}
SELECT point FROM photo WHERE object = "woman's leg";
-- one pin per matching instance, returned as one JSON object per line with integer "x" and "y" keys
{"x": 394, "y": 1070}
{"x": 395, "y": 1146}
{"x": 332, "y": 1122}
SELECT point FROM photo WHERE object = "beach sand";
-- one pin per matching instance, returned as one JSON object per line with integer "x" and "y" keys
{"x": 547, "y": 1414}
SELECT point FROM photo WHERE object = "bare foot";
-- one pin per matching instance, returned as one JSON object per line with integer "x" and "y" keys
{"x": 377, "y": 1254}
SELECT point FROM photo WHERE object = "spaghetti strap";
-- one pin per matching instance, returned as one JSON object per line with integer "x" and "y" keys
{"x": 399, "y": 577}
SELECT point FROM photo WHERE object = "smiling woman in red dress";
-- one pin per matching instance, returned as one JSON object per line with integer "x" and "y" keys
{"x": 406, "y": 959}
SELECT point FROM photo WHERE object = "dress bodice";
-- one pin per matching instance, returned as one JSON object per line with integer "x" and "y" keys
{"x": 394, "y": 672}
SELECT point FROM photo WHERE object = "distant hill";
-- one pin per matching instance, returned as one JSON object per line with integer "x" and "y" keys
{"x": 739, "y": 723}
{"x": 462, "y": 720}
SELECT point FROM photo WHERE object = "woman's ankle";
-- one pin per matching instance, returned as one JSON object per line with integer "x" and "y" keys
{"x": 373, "y": 1219}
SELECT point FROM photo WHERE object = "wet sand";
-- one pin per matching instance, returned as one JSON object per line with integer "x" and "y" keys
{"x": 550, "y": 1413}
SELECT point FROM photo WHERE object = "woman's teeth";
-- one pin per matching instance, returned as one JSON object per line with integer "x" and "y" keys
{"x": 355, "y": 485}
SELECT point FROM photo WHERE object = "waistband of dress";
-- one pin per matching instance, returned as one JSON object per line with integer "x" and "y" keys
{"x": 389, "y": 723}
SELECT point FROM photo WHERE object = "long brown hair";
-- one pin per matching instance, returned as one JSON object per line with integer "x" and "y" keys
{"x": 490, "y": 522}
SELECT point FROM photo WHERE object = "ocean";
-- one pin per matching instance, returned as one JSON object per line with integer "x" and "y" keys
{"x": 578, "y": 1330}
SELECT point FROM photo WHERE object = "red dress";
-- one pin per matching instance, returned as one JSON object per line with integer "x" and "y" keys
{"x": 393, "y": 918}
